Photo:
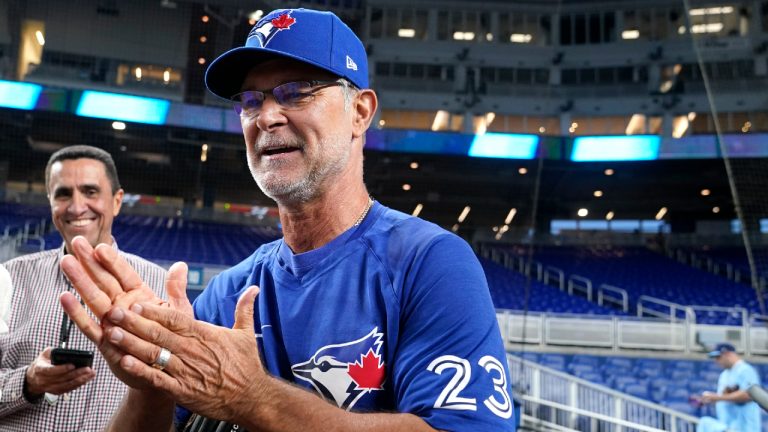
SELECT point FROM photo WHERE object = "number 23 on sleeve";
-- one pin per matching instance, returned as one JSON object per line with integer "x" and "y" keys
{"x": 450, "y": 397}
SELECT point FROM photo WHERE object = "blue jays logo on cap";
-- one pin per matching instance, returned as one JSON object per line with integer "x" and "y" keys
{"x": 308, "y": 36}
{"x": 345, "y": 372}
{"x": 264, "y": 31}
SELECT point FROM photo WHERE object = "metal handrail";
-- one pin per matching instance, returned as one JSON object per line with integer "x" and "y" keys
{"x": 622, "y": 300}
{"x": 586, "y": 288}
{"x": 538, "y": 369}
{"x": 40, "y": 241}
{"x": 673, "y": 308}
{"x": 559, "y": 275}
{"x": 585, "y": 413}
{"x": 727, "y": 309}
{"x": 539, "y": 267}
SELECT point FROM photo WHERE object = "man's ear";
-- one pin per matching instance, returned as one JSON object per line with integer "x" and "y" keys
{"x": 364, "y": 108}
{"x": 118, "y": 202}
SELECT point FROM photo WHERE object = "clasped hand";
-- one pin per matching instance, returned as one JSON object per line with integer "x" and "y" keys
{"x": 213, "y": 371}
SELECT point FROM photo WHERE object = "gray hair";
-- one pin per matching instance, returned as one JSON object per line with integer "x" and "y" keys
{"x": 349, "y": 90}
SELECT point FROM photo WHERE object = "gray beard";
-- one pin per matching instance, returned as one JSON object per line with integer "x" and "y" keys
{"x": 305, "y": 189}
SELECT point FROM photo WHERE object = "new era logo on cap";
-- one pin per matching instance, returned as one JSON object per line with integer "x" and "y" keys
{"x": 313, "y": 37}
{"x": 351, "y": 63}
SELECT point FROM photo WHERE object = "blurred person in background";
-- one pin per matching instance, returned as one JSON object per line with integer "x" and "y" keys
{"x": 85, "y": 196}
{"x": 736, "y": 411}
{"x": 386, "y": 317}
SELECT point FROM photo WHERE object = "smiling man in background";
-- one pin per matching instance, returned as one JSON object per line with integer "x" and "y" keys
{"x": 85, "y": 196}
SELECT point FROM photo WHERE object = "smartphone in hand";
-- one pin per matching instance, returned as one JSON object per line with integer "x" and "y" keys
{"x": 79, "y": 358}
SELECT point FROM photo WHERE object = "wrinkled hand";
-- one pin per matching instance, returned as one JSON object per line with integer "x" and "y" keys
{"x": 44, "y": 377}
{"x": 213, "y": 371}
{"x": 104, "y": 279}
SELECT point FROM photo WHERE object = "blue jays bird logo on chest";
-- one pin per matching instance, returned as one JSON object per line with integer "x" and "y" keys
{"x": 345, "y": 372}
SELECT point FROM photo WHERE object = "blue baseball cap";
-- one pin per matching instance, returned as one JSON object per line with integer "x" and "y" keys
{"x": 318, "y": 38}
{"x": 720, "y": 349}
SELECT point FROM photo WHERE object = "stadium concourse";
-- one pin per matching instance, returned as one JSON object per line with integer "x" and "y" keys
{"x": 606, "y": 160}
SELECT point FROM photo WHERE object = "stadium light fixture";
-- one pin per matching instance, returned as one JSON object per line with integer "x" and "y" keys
{"x": 406, "y": 32}
{"x": 520, "y": 38}
{"x": 608, "y": 172}
{"x": 118, "y": 125}
{"x": 256, "y": 15}
{"x": 510, "y": 216}
{"x": 609, "y": 215}
{"x": 441, "y": 120}
{"x": 166, "y": 76}
{"x": 482, "y": 122}
{"x": 418, "y": 209}
{"x": 630, "y": 34}
{"x": 40, "y": 38}
{"x": 406, "y": 187}
{"x": 522, "y": 170}
{"x": 706, "y": 192}
{"x": 467, "y": 36}
{"x": 715, "y": 209}
{"x": 680, "y": 126}
{"x": 414, "y": 165}
{"x": 722, "y": 10}
{"x": 137, "y": 73}
{"x": 661, "y": 213}
{"x": 597, "y": 193}
{"x": 707, "y": 28}
{"x": 582, "y": 212}
{"x": 464, "y": 214}
{"x": 636, "y": 125}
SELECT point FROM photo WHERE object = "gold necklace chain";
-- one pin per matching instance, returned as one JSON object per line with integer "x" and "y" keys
{"x": 365, "y": 212}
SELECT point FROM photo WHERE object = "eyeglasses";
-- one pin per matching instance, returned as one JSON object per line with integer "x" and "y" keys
{"x": 289, "y": 95}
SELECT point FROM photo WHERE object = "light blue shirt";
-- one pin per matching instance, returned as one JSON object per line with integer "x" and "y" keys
{"x": 738, "y": 417}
